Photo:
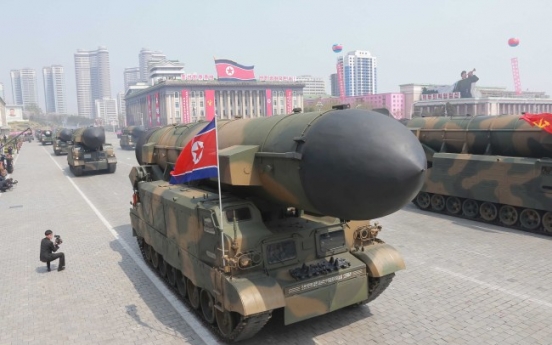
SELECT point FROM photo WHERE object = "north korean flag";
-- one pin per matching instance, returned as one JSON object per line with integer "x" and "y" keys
{"x": 228, "y": 70}
{"x": 198, "y": 160}
{"x": 543, "y": 120}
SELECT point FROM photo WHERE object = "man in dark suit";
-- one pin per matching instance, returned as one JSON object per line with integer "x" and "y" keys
{"x": 464, "y": 85}
{"x": 48, "y": 251}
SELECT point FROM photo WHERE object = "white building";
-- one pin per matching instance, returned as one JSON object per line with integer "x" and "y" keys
{"x": 121, "y": 108}
{"x": 131, "y": 76}
{"x": 54, "y": 89}
{"x": 93, "y": 79}
{"x": 24, "y": 87}
{"x": 313, "y": 86}
{"x": 106, "y": 109}
{"x": 359, "y": 73}
{"x": 2, "y": 95}
{"x": 165, "y": 70}
{"x": 148, "y": 56}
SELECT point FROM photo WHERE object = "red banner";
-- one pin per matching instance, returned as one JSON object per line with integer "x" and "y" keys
{"x": 209, "y": 104}
{"x": 543, "y": 120}
{"x": 157, "y": 114}
{"x": 289, "y": 101}
{"x": 185, "y": 106}
{"x": 268, "y": 103}
{"x": 231, "y": 70}
{"x": 149, "y": 111}
{"x": 340, "y": 79}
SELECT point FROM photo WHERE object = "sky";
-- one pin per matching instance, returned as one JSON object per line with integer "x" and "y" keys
{"x": 415, "y": 41}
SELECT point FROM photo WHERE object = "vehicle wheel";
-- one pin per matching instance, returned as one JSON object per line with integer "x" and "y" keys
{"x": 162, "y": 266}
{"x": 193, "y": 294}
{"x": 547, "y": 222}
{"x": 56, "y": 152}
{"x": 154, "y": 258}
{"x": 77, "y": 171}
{"x": 181, "y": 283}
{"x": 112, "y": 167}
{"x": 470, "y": 208}
{"x": 508, "y": 215}
{"x": 207, "y": 306}
{"x": 171, "y": 275}
{"x": 437, "y": 202}
{"x": 423, "y": 200}
{"x": 529, "y": 219}
{"x": 226, "y": 321}
{"x": 454, "y": 205}
{"x": 147, "y": 252}
{"x": 488, "y": 211}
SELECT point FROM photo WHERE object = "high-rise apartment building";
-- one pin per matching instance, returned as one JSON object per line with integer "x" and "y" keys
{"x": 313, "y": 86}
{"x": 334, "y": 86}
{"x": 93, "y": 79}
{"x": 131, "y": 76}
{"x": 360, "y": 73}
{"x": 2, "y": 95}
{"x": 147, "y": 57}
{"x": 106, "y": 109}
{"x": 54, "y": 89}
{"x": 24, "y": 88}
{"x": 121, "y": 107}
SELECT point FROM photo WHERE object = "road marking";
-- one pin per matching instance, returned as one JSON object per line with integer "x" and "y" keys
{"x": 495, "y": 287}
{"x": 189, "y": 318}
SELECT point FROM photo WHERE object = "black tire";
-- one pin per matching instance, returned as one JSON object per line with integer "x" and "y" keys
{"x": 112, "y": 167}
{"x": 77, "y": 171}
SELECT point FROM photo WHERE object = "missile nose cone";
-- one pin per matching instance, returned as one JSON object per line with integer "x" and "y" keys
{"x": 361, "y": 165}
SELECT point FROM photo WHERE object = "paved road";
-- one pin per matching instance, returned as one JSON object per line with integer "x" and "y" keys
{"x": 465, "y": 283}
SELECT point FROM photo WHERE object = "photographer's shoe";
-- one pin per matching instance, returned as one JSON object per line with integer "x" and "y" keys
{"x": 61, "y": 268}
{"x": 49, "y": 269}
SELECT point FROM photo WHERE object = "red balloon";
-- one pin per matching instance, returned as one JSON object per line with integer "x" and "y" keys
{"x": 513, "y": 42}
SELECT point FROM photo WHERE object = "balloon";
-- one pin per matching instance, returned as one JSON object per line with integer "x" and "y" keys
{"x": 337, "y": 48}
{"x": 513, "y": 42}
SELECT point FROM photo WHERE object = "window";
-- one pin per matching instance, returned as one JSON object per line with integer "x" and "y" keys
{"x": 201, "y": 104}
{"x": 281, "y": 251}
{"x": 241, "y": 214}
{"x": 208, "y": 225}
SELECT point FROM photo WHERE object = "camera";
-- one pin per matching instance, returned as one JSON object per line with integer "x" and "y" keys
{"x": 58, "y": 239}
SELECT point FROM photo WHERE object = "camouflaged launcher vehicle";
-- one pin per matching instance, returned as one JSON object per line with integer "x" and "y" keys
{"x": 297, "y": 191}
{"x": 47, "y": 137}
{"x": 90, "y": 152}
{"x": 495, "y": 169}
{"x": 130, "y": 135}
{"x": 62, "y": 142}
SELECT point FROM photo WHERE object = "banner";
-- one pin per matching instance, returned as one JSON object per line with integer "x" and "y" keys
{"x": 209, "y": 104}
{"x": 149, "y": 111}
{"x": 543, "y": 120}
{"x": 157, "y": 115}
{"x": 340, "y": 79}
{"x": 268, "y": 104}
{"x": 228, "y": 70}
{"x": 289, "y": 101}
{"x": 185, "y": 106}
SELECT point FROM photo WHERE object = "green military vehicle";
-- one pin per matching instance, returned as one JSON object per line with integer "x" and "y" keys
{"x": 90, "y": 152}
{"x": 129, "y": 136}
{"x": 47, "y": 137}
{"x": 293, "y": 231}
{"x": 495, "y": 169}
{"x": 63, "y": 141}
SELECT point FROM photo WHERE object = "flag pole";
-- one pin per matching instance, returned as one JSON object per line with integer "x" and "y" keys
{"x": 221, "y": 227}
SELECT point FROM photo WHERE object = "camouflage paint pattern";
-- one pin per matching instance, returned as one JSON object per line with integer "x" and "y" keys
{"x": 491, "y": 168}
{"x": 82, "y": 158}
{"x": 276, "y": 255}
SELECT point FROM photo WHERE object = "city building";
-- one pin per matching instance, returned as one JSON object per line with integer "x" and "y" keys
{"x": 24, "y": 87}
{"x": 359, "y": 73}
{"x": 164, "y": 70}
{"x": 106, "y": 110}
{"x": 131, "y": 76}
{"x": 147, "y": 57}
{"x": 313, "y": 86}
{"x": 334, "y": 85}
{"x": 394, "y": 102}
{"x": 2, "y": 94}
{"x": 3, "y": 120}
{"x": 54, "y": 89}
{"x": 121, "y": 109}
{"x": 185, "y": 101}
{"x": 92, "y": 73}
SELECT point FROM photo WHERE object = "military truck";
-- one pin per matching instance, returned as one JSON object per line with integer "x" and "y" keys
{"x": 293, "y": 231}
{"x": 62, "y": 142}
{"x": 495, "y": 169}
{"x": 130, "y": 135}
{"x": 47, "y": 137}
{"x": 90, "y": 152}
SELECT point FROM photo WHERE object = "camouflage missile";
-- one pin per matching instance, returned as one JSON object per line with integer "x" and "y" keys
{"x": 92, "y": 137}
{"x": 351, "y": 164}
{"x": 505, "y": 135}
{"x": 65, "y": 134}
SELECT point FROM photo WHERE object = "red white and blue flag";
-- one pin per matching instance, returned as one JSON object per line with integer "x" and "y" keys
{"x": 198, "y": 160}
{"x": 228, "y": 70}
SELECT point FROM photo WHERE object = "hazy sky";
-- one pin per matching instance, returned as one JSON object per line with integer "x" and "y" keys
{"x": 415, "y": 41}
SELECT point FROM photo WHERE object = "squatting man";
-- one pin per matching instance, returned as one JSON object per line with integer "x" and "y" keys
{"x": 48, "y": 251}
